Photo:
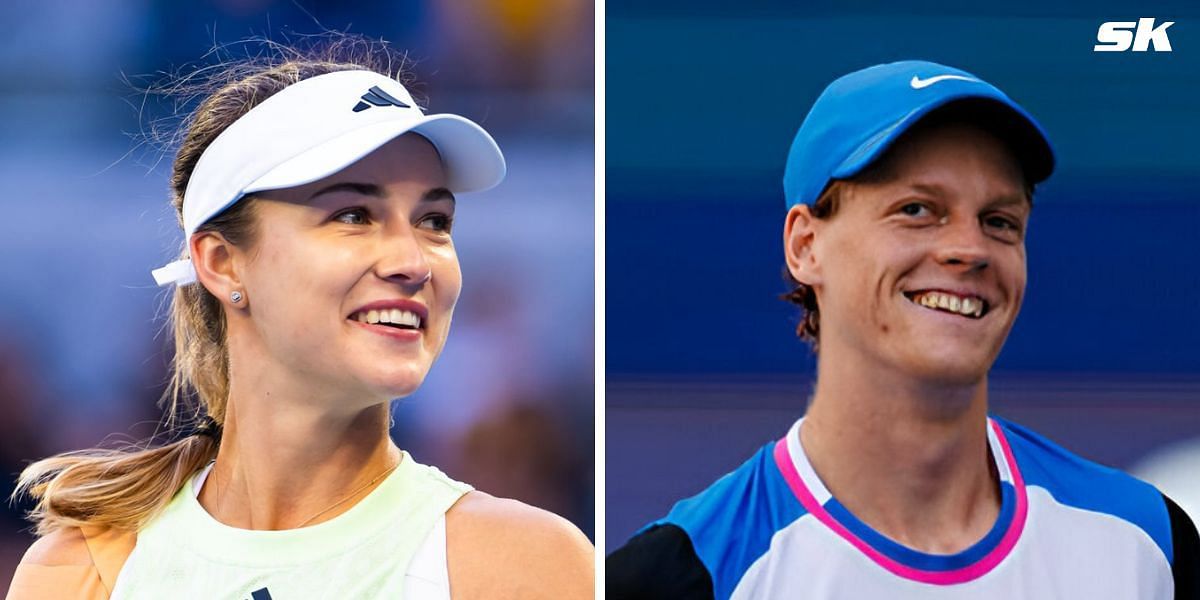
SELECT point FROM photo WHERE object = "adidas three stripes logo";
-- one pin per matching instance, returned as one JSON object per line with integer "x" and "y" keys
{"x": 377, "y": 97}
{"x": 260, "y": 594}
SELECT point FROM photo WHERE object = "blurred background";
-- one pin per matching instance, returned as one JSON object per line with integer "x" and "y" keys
{"x": 703, "y": 99}
{"x": 508, "y": 408}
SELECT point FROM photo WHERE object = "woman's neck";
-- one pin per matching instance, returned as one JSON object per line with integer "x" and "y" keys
{"x": 285, "y": 463}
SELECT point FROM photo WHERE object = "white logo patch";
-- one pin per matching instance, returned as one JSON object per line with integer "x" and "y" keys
{"x": 918, "y": 83}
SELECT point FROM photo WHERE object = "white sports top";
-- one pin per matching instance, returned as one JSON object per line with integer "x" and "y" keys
{"x": 391, "y": 544}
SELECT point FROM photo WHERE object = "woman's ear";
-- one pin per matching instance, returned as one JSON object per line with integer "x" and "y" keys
{"x": 799, "y": 234}
{"x": 214, "y": 259}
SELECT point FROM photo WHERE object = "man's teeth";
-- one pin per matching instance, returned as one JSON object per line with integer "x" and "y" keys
{"x": 971, "y": 307}
{"x": 394, "y": 316}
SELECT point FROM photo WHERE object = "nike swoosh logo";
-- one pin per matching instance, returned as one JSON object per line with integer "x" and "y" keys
{"x": 918, "y": 83}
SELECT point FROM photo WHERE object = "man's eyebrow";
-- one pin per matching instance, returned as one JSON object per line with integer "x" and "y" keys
{"x": 1017, "y": 199}
{"x": 933, "y": 189}
{"x": 930, "y": 189}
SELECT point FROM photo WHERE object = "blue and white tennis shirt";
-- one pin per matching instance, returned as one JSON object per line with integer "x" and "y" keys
{"x": 1067, "y": 528}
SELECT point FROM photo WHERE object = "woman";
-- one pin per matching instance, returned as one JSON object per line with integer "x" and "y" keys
{"x": 317, "y": 283}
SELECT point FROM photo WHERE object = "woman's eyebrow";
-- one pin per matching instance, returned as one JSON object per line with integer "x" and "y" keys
{"x": 370, "y": 189}
{"x": 436, "y": 194}
{"x": 365, "y": 189}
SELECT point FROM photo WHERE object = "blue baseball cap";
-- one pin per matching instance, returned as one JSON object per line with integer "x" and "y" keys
{"x": 857, "y": 118}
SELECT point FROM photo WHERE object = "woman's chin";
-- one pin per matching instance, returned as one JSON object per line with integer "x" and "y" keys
{"x": 383, "y": 382}
{"x": 399, "y": 387}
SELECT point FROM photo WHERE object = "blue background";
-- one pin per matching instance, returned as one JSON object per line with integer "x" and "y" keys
{"x": 702, "y": 359}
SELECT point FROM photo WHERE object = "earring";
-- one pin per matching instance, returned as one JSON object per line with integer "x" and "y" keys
{"x": 236, "y": 296}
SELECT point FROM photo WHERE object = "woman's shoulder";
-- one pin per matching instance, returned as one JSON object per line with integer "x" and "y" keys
{"x": 481, "y": 514}
{"x": 75, "y": 562}
{"x": 504, "y": 548}
{"x": 57, "y": 565}
{"x": 66, "y": 546}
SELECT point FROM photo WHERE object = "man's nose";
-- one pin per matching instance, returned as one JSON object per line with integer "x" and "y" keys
{"x": 962, "y": 244}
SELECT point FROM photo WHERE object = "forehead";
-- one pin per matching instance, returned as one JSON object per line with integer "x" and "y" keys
{"x": 946, "y": 153}
{"x": 405, "y": 169}
{"x": 409, "y": 157}
{"x": 409, "y": 164}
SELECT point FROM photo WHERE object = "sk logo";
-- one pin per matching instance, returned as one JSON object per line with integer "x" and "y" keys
{"x": 377, "y": 97}
{"x": 1119, "y": 36}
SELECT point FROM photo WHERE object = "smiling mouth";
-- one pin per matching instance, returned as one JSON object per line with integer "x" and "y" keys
{"x": 971, "y": 307}
{"x": 395, "y": 318}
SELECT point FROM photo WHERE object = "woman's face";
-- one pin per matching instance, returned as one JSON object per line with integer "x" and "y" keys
{"x": 353, "y": 279}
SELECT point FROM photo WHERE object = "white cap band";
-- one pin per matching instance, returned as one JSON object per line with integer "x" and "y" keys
{"x": 315, "y": 128}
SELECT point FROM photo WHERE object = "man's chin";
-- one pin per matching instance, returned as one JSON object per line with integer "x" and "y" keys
{"x": 953, "y": 371}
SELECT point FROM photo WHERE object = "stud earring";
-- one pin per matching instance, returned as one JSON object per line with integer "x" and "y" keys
{"x": 236, "y": 296}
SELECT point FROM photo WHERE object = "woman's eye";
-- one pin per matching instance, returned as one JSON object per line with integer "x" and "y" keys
{"x": 353, "y": 216}
{"x": 437, "y": 222}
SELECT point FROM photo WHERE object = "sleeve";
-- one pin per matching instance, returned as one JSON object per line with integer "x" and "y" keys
{"x": 1185, "y": 544}
{"x": 657, "y": 563}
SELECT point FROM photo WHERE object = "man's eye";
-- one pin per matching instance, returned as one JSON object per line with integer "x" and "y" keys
{"x": 437, "y": 222}
{"x": 915, "y": 209}
{"x": 1003, "y": 223}
{"x": 353, "y": 216}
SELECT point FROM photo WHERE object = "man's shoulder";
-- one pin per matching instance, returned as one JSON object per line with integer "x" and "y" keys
{"x": 1072, "y": 479}
{"x": 1074, "y": 482}
{"x": 708, "y": 540}
{"x": 754, "y": 496}
{"x": 658, "y": 562}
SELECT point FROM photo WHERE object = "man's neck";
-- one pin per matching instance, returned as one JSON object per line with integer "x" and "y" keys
{"x": 908, "y": 458}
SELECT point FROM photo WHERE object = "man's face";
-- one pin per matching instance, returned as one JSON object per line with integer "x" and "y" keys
{"x": 923, "y": 273}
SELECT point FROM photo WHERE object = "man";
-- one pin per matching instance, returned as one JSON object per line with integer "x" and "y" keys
{"x": 910, "y": 186}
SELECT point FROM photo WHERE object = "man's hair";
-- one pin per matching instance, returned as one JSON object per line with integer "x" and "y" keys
{"x": 883, "y": 170}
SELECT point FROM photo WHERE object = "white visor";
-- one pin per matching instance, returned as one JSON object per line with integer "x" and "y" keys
{"x": 315, "y": 128}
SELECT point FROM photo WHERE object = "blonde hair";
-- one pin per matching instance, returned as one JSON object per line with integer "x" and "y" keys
{"x": 124, "y": 488}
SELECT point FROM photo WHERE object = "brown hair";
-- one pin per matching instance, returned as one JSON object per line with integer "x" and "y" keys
{"x": 124, "y": 488}
{"x": 804, "y": 295}
{"x": 882, "y": 170}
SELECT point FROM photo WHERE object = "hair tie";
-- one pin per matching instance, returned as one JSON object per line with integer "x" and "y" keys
{"x": 207, "y": 426}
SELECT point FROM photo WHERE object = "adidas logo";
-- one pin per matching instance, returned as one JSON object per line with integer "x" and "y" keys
{"x": 260, "y": 594}
{"x": 376, "y": 97}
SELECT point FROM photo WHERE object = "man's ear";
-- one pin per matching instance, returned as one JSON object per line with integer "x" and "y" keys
{"x": 799, "y": 232}
{"x": 214, "y": 259}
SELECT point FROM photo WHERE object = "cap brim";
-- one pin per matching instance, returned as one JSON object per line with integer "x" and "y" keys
{"x": 1000, "y": 116}
{"x": 471, "y": 158}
